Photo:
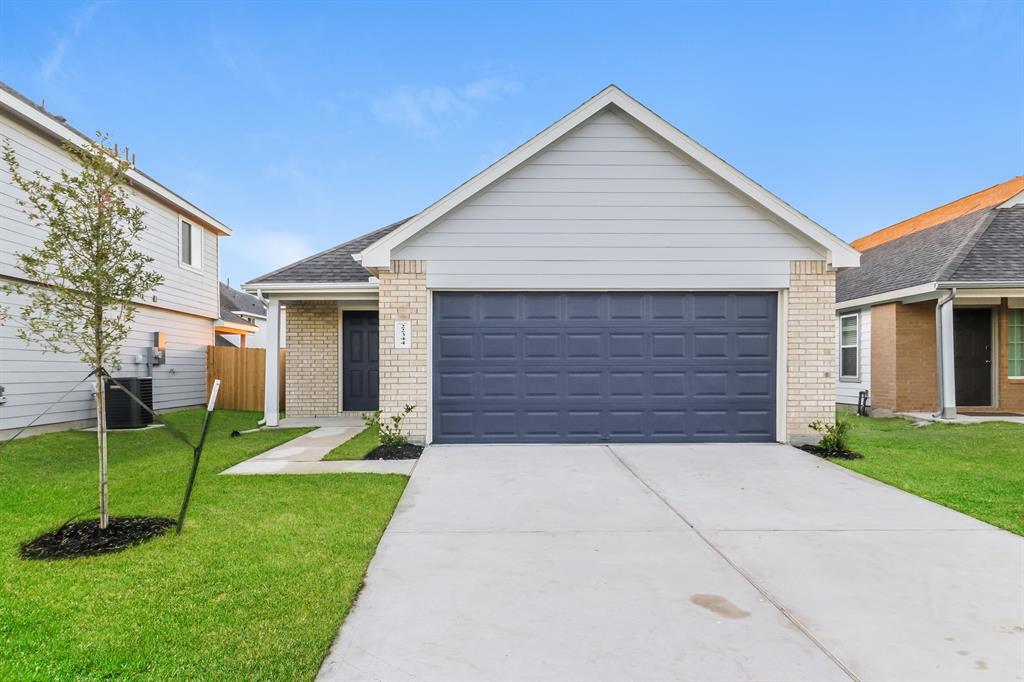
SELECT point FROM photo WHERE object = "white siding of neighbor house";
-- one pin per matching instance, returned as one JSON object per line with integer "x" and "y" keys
{"x": 608, "y": 206}
{"x": 183, "y": 290}
{"x": 33, "y": 380}
{"x": 185, "y": 306}
{"x": 847, "y": 390}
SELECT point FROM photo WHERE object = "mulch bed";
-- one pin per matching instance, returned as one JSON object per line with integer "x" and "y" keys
{"x": 407, "y": 451}
{"x": 84, "y": 538}
{"x": 822, "y": 452}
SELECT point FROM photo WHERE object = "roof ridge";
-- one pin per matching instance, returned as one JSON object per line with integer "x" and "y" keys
{"x": 916, "y": 223}
{"x": 966, "y": 246}
{"x": 326, "y": 251}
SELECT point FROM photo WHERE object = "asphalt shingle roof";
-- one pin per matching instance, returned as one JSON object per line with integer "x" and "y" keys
{"x": 986, "y": 245}
{"x": 331, "y": 266}
{"x": 233, "y": 299}
{"x": 998, "y": 254}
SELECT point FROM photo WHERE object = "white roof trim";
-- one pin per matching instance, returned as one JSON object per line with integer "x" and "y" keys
{"x": 887, "y": 296}
{"x": 841, "y": 254}
{"x": 307, "y": 287}
{"x": 242, "y": 328}
{"x": 1017, "y": 198}
{"x": 64, "y": 132}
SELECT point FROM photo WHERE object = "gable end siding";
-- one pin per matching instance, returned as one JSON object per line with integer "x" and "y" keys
{"x": 608, "y": 206}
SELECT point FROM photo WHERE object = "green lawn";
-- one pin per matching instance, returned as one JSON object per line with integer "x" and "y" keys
{"x": 254, "y": 588}
{"x": 356, "y": 447}
{"x": 977, "y": 469}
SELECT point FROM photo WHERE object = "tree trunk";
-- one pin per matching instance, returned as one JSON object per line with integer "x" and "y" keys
{"x": 101, "y": 442}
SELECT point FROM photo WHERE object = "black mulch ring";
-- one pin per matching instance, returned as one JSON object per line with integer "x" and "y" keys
{"x": 84, "y": 538}
{"x": 822, "y": 452}
{"x": 407, "y": 451}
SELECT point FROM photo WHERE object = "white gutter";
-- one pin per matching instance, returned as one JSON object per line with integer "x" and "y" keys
{"x": 1003, "y": 284}
{"x": 886, "y": 296}
{"x": 264, "y": 288}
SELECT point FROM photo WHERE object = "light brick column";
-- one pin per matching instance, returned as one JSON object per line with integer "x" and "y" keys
{"x": 403, "y": 371}
{"x": 311, "y": 361}
{"x": 810, "y": 348}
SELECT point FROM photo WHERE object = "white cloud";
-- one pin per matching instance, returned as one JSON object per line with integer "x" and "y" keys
{"x": 488, "y": 89}
{"x": 424, "y": 110}
{"x": 50, "y": 65}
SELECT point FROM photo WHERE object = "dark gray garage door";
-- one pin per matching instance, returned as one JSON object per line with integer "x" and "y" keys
{"x": 603, "y": 367}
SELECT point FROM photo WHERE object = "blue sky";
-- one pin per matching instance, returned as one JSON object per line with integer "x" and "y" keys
{"x": 302, "y": 125}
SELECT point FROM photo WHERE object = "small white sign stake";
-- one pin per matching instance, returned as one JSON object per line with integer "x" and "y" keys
{"x": 213, "y": 395}
{"x": 403, "y": 334}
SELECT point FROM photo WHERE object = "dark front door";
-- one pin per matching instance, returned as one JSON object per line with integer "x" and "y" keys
{"x": 360, "y": 364}
{"x": 972, "y": 353}
{"x": 600, "y": 367}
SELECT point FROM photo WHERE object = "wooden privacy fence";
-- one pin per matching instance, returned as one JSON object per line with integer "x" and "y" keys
{"x": 241, "y": 374}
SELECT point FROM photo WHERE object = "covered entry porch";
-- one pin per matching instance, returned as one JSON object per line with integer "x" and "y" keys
{"x": 958, "y": 352}
{"x": 333, "y": 354}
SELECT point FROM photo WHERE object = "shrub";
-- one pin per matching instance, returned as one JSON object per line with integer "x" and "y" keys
{"x": 390, "y": 429}
{"x": 835, "y": 438}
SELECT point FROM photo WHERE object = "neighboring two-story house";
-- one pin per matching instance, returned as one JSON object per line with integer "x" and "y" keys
{"x": 181, "y": 237}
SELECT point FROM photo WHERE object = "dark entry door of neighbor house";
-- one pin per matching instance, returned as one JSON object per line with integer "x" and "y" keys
{"x": 972, "y": 353}
{"x": 360, "y": 365}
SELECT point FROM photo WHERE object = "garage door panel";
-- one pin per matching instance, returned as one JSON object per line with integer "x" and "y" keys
{"x": 585, "y": 367}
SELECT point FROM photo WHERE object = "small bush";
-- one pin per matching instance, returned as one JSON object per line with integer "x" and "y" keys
{"x": 390, "y": 429}
{"x": 835, "y": 438}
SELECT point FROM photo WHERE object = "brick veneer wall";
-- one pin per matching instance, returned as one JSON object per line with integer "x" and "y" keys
{"x": 810, "y": 347}
{"x": 403, "y": 371}
{"x": 917, "y": 378}
{"x": 903, "y": 357}
{"x": 311, "y": 375}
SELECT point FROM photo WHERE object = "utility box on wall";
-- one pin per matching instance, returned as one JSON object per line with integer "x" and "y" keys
{"x": 158, "y": 351}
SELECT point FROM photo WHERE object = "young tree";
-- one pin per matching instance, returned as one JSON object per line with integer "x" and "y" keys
{"x": 87, "y": 273}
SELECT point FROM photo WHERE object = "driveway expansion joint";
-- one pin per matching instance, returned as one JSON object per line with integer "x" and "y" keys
{"x": 747, "y": 577}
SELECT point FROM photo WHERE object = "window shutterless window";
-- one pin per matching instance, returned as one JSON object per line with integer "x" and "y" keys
{"x": 190, "y": 244}
{"x": 1015, "y": 351}
{"x": 849, "y": 346}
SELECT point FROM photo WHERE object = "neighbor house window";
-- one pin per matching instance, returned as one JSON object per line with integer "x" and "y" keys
{"x": 1016, "y": 349}
{"x": 849, "y": 342}
{"x": 191, "y": 250}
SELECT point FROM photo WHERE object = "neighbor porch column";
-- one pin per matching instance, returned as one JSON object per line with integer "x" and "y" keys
{"x": 946, "y": 364}
{"x": 271, "y": 388}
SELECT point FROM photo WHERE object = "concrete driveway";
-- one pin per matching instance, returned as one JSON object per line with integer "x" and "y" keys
{"x": 697, "y": 562}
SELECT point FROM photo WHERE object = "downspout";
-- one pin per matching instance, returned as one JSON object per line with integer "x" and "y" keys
{"x": 940, "y": 374}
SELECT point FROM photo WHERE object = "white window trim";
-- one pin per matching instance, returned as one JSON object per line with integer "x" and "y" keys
{"x": 1009, "y": 355}
{"x": 856, "y": 344}
{"x": 197, "y": 245}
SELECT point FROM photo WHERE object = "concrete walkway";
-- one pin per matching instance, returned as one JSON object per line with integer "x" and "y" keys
{"x": 703, "y": 562}
{"x": 305, "y": 454}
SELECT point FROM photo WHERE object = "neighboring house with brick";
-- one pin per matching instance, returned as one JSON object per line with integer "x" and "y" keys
{"x": 933, "y": 320}
{"x": 608, "y": 280}
{"x": 180, "y": 237}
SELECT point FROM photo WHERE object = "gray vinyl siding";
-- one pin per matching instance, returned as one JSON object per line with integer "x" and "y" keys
{"x": 608, "y": 206}
{"x": 848, "y": 390}
{"x": 184, "y": 307}
{"x": 33, "y": 380}
{"x": 183, "y": 290}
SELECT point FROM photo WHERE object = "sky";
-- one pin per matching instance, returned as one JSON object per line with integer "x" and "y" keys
{"x": 304, "y": 124}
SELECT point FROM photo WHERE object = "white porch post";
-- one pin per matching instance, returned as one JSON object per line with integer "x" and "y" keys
{"x": 271, "y": 404}
{"x": 947, "y": 367}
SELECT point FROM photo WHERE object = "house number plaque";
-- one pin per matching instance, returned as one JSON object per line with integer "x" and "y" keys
{"x": 403, "y": 334}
